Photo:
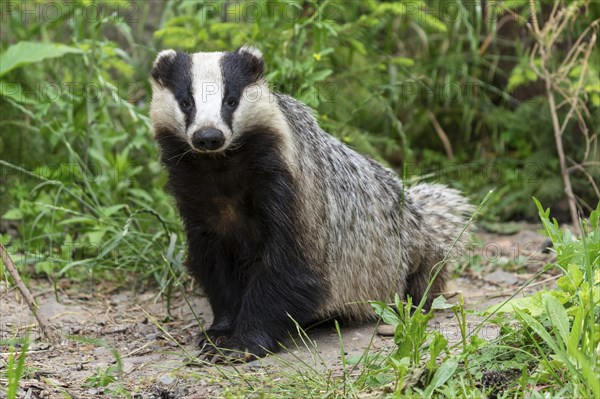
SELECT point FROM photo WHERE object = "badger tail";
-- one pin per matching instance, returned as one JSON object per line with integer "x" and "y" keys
{"x": 442, "y": 232}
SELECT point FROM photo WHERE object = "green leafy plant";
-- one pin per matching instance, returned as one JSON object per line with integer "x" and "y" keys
{"x": 15, "y": 368}
{"x": 103, "y": 377}
{"x": 562, "y": 325}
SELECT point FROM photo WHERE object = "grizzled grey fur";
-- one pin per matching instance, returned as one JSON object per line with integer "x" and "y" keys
{"x": 374, "y": 236}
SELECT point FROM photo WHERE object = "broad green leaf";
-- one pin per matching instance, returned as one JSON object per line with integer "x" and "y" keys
{"x": 108, "y": 211}
{"x": 422, "y": 18}
{"x": 587, "y": 369}
{"x": 438, "y": 344}
{"x": 141, "y": 194}
{"x": 531, "y": 303}
{"x": 558, "y": 316}
{"x": 442, "y": 375}
{"x": 14, "y": 91}
{"x": 520, "y": 75}
{"x": 321, "y": 75}
{"x": 512, "y": 4}
{"x": 95, "y": 237}
{"x": 571, "y": 280}
{"x": 575, "y": 335}
{"x": 44, "y": 267}
{"x": 404, "y": 61}
{"x": 537, "y": 327}
{"x": 13, "y": 214}
{"x": 386, "y": 313}
{"x": 24, "y": 53}
{"x": 440, "y": 303}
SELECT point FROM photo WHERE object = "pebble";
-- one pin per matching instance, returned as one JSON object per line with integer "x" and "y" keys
{"x": 166, "y": 379}
{"x": 499, "y": 276}
{"x": 253, "y": 365}
{"x": 386, "y": 330}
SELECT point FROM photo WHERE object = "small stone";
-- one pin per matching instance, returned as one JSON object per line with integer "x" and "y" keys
{"x": 499, "y": 276}
{"x": 127, "y": 367}
{"x": 253, "y": 365}
{"x": 39, "y": 346}
{"x": 166, "y": 379}
{"x": 386, "y": 330}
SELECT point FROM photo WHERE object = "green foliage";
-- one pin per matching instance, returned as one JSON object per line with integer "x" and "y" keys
{"x": 562, "y": 326}
{"x": 24, "y": 53}
{"x": 15, "y": 369}
{"x": 83, "y": 181}
{"x": 413, "y": 342}
{"x": 553, "y": 346}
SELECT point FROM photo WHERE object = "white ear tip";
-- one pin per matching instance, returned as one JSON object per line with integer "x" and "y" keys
{"x": 170, "y": 53}
{"x": 252, "y": 50}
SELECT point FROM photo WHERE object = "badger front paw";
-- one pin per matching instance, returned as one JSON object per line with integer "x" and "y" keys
{"x": 213, "y": 337}
{"x": 234, "y": 350}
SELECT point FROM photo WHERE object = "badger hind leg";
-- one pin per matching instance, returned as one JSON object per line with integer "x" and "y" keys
{"x": 439, "y": 237}
{"x": 417, "y": 283}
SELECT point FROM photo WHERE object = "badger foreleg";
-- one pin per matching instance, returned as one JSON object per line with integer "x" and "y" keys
{"x": 279, "y": 294}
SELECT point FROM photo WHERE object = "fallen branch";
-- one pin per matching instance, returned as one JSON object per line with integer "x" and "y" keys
{"x": 14, "y": 273}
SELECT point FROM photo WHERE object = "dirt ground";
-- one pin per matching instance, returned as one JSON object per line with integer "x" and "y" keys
{"x": 99, "y": 325}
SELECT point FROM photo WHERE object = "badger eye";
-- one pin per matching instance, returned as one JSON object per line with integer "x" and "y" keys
{"x": 231, "y": 102}
{"x": 185, "y": 104}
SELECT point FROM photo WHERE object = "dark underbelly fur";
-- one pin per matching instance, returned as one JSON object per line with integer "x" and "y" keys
{"x": 244, "y": 248}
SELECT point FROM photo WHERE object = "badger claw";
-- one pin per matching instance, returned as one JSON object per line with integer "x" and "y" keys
{"x": 216, "y": 355}
{"x": 208, "y": 341}
{"x": 212, "y": 338}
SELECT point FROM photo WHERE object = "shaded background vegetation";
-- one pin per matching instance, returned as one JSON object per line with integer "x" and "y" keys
{"x": 438, "y": 90}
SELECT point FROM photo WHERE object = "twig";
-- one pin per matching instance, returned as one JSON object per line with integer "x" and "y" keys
{"x": 14, "y": 273}
{"x": 577, "y": 166}
{"x": 545, "y": 39}
{"x": 440, "y": 132}
{"x": 579, "y": 84}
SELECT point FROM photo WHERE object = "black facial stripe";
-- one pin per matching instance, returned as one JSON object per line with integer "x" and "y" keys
{"x": 175, "y": 73}
{"x": 239, "y": 70}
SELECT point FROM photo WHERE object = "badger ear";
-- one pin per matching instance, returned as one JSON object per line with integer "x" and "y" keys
{"x": 254, "y": 61}
{"x": 252, "y": 51}
{"x": 163, "y": 66}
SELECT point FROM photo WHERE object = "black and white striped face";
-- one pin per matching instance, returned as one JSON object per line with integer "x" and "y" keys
{"x": 208, "y": 99}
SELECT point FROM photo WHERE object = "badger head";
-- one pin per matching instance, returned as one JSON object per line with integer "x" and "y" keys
{"x": 209, "y": 99}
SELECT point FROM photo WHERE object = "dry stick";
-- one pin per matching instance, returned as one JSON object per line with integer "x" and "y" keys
{"x": 442, "y": 134}
{"x": 10, "y": 266}
{"x": 555, "y": 122}
{"x": 574, "y": 102}
{"x": 587, "y": 175}
{"x": 561, "y": 153}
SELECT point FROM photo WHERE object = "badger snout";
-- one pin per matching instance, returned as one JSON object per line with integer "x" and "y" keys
{"x": 208, "y": 139}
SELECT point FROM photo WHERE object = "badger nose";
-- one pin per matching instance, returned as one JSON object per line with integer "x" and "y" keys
{"x": 208, "y": 139}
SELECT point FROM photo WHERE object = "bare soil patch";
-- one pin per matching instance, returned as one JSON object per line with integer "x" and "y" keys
{"x": 100, "y": 327}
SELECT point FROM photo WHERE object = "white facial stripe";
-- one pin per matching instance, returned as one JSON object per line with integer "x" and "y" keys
{"x": 208, "y": 89}
{"x": 164, "y": 110}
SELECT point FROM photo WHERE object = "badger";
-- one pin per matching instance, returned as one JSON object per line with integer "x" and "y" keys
{"x": 284, "y": 223}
